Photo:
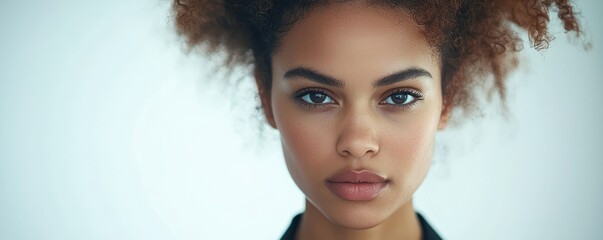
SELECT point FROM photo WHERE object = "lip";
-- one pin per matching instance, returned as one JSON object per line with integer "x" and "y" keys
{"x": 356, "y": 185}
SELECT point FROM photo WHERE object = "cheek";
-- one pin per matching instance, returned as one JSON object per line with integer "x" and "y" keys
{"x": 409, "y": 146}
{"x": 412, "y": 145}
{"x": 412, "y": 140}
{"x": 306, "y": 144}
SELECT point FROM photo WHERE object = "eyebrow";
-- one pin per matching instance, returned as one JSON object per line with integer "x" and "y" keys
{"x": 315, "y": 76}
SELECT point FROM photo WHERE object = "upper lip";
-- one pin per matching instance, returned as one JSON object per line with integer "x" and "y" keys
{"x": 357, "y": 176}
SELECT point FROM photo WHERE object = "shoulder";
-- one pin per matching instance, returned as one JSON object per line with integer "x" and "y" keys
{"x": 428, "y": 232}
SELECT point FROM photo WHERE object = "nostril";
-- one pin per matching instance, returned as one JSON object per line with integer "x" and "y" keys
{"x": 358, "y": 154}
{"x": 357, "y": 144}
{"x": 345, "y": 153}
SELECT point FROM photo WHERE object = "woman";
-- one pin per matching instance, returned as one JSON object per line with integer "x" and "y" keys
{"x": 358, "y": 90}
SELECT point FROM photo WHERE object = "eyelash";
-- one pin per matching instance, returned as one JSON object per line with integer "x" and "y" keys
{"x": 298, "y": 97}
{"x": 300, "y": 94}
{"x": 411, "y": 92}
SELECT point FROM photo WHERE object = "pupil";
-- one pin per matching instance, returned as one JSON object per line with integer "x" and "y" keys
{"x": 399, "y": 98}
{"x": 317, "y": 97}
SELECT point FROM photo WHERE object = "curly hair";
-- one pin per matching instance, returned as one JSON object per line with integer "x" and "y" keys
{"x": 477, "y": 40}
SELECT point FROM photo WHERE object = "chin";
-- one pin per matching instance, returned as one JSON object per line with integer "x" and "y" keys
{"x": 358, "y": 224}
{"x": 357, "y": 216}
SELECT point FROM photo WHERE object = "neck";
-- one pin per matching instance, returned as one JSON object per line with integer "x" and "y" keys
{"x": 402, "y": 224}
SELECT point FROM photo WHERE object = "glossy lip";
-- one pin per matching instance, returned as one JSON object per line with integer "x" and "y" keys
{"x": 356, "y": 185}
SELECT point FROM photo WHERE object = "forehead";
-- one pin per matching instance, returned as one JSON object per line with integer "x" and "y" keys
{"x": 352, "y": 39}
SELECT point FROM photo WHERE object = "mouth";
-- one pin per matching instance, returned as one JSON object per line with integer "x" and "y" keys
{"x": 357, "y": 185}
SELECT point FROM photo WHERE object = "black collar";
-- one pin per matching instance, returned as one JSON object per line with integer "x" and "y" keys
{"x": 428, "y": 232}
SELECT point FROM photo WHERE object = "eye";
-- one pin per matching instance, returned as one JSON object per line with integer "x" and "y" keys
{"x": 314, "y": 97}
{"x": 403, "y": 97}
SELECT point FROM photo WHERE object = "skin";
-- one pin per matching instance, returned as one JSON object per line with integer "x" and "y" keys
{"x": 356, "y": 125}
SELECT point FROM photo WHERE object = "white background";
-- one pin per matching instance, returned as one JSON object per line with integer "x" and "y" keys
{"x": 109, "y": 131}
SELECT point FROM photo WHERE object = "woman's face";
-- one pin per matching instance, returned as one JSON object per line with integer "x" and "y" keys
{"x": 356, "y": 96}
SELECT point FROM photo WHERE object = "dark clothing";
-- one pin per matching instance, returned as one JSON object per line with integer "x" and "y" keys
{"x": 427, "y": 232}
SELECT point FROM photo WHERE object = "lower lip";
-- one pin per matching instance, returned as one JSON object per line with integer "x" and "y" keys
{"x": 356, "y": 191}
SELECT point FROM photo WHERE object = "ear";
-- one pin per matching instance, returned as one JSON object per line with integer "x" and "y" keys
{"x": 264, "y": 95}
{"x": 444, "y": 116}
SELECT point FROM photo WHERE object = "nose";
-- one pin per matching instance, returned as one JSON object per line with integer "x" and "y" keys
{"x": 357, "y": 137}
